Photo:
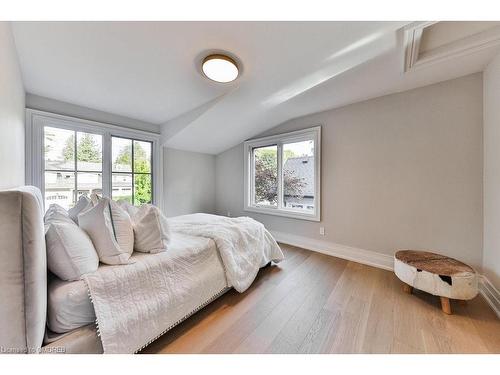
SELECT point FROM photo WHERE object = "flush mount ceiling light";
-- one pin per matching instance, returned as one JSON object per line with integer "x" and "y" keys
{"x": 220, "y": 68}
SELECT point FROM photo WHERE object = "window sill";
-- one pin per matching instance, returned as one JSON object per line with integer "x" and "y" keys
{"x": 283, "y": 213}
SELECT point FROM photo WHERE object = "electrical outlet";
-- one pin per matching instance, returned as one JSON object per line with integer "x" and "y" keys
{"x": 322, "y": 231}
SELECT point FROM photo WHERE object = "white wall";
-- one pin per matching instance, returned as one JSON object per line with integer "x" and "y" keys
{"x": 400, "y": 171}
{"x": 189, "y": 182}
{"x": 11, "y": 112}
{"x": 62, "y": 108}
{"x": 491, "y": 251}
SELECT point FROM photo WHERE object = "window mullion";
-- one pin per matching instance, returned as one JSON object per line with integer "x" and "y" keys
{"x": 133, "y": 177}
{"x": 75, "y": 155}
{"x": 280, "y": 175}
{"x": 106, "y": 164}
{"x": 252, "y": 177}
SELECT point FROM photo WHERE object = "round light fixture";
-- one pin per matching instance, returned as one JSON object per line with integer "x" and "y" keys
{"x": 220, "y": 68}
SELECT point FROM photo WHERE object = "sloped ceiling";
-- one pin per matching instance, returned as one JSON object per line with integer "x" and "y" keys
{"x": 150, "y": 71}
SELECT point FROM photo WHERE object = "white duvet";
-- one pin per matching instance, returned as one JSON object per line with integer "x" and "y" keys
{"x": 136, "y": 303}
{"x": 243, "y": 243}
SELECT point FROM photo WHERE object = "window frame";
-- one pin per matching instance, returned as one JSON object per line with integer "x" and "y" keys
{"x": 279, "y": 140}
{"x": 36, "y": 120}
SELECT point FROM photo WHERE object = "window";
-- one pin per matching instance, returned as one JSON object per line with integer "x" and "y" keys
{"x": 282, "y": 174}
{"x": 265, "y": 181}
{"x": 69, "y": 157}
{"x": 131, "y": 178}
{"x": 72, "y": 165}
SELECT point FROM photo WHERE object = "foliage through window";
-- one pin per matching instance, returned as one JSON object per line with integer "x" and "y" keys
{"x": 283, "y": 174}
{"x": 131, "y": 170}
{"x": 266, "y": 175}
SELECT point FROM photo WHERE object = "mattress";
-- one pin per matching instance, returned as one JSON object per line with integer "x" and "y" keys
{"x": 69, "y": 306}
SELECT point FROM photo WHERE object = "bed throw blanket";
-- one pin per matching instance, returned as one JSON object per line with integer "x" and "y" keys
{"x": 136, "y": 303}
{"x": 243, "y": 244}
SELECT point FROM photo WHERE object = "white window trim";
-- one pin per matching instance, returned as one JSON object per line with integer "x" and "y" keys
{"x": 279, "y": 140}
{"x": 35, "y": 122}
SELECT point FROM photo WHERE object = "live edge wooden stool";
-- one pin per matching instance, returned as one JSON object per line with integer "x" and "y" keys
{"x": 436, "y": 274}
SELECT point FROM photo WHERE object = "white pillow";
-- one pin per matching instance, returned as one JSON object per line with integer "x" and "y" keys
{"x": 56, "y": 213}
{"x": 111, "y": 231}
{"x": 131, "y": 209}
{"x": 151, "y": 231}
{"x": 70, "y": 253}
{"x": 80, "y": 206}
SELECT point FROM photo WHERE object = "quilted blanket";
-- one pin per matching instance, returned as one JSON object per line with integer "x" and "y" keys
{"x": 243, "y": 243}
{"x": 136, "y": 303}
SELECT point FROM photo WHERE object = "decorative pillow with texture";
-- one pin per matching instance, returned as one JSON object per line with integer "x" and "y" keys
{"x": 111, "y": 231}
{"x": 70, "y": 252}
{"x": 82, "y": 204}
{"x": 151, "y": 231}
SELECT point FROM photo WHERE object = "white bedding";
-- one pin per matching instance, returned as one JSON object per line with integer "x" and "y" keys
{"x": 69, "y": 305}
{"x": 136, "y": 303}
{"x": 243, "y": 244}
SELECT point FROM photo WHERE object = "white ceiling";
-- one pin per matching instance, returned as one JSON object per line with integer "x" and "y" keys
{"x": 150, "y": 71}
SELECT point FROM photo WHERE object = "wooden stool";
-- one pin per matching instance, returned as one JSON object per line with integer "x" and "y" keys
{"x": 436, "y": 274}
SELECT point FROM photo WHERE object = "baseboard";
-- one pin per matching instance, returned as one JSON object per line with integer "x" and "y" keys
{"x": 490, "y": 294}
{"x": 370, "y": 258}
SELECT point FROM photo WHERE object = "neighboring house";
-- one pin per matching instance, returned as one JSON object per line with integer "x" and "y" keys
{"x": 60, "y": 182}
{"x": 303, "y": 168}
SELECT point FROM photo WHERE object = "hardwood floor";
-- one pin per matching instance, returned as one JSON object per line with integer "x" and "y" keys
{"x": 313, "y": 303}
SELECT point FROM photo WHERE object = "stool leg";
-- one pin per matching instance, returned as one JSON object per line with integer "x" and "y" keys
{"x": 407, "y": 288}
{"x": 445, "y": 305}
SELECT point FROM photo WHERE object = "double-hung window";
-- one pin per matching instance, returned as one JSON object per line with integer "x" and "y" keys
{"x": 69, "y": 157}
{"x": 282, "y": 174}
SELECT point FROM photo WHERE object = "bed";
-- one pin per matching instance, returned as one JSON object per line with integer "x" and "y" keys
{"x": 118, "y": 309}
{"x": 192, "y": 262}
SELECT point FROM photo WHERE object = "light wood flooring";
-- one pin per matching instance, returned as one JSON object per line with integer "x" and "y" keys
{"x": 313, "y": 303}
